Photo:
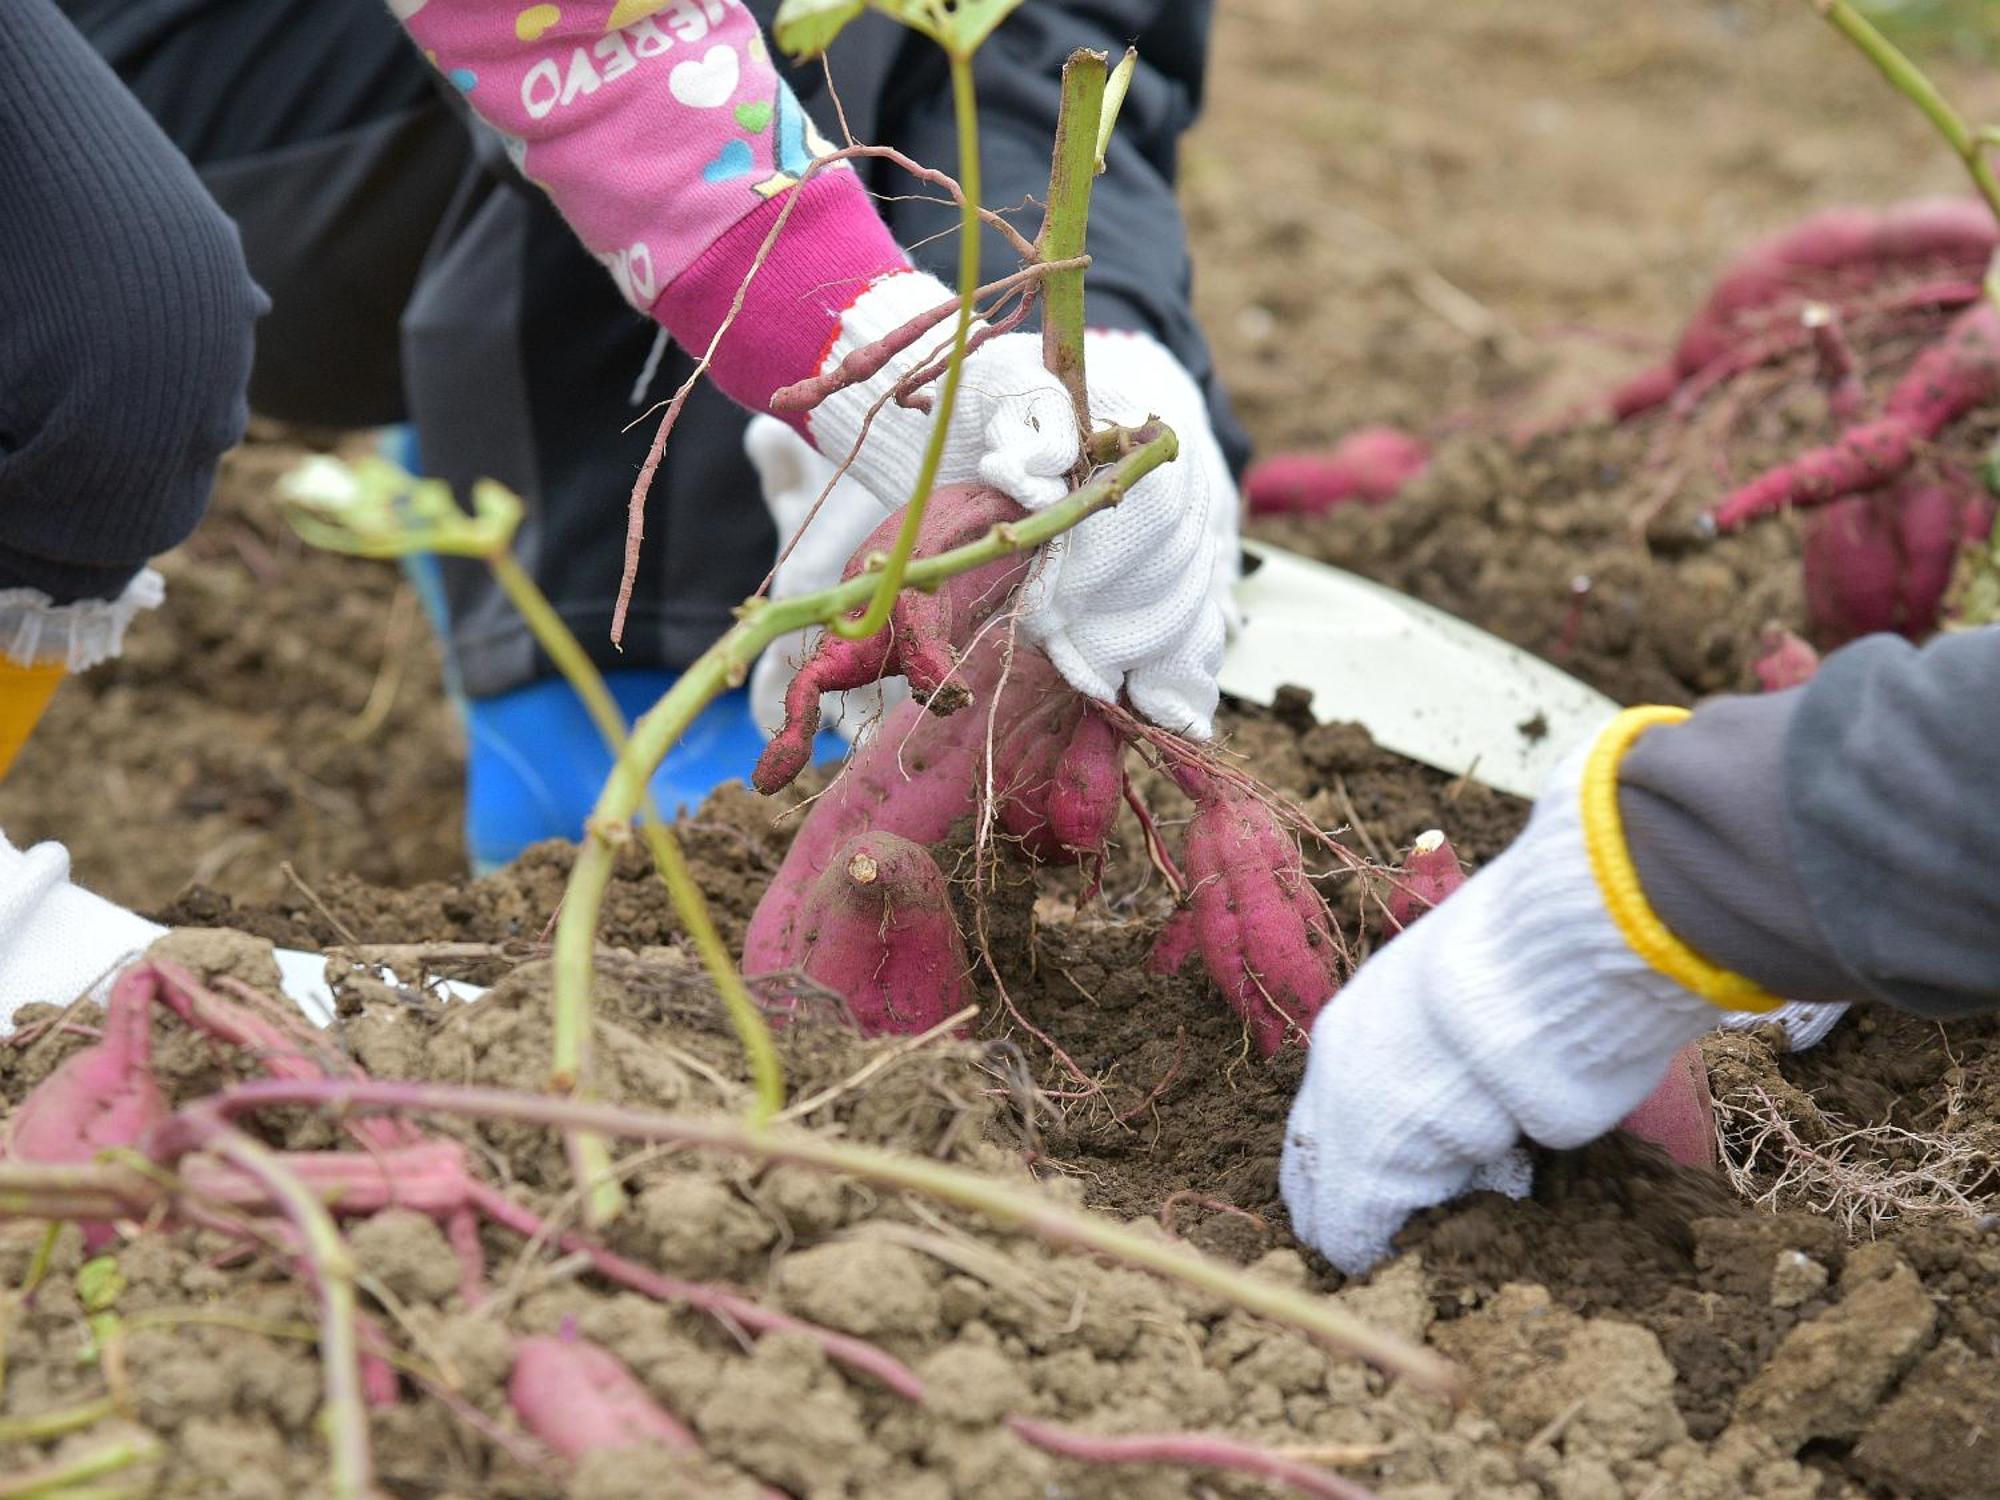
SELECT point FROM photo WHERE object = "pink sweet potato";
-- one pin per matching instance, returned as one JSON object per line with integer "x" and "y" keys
{"x": 1062, "y": 773}
{"x": 1883, "y": 561}
{"x": 878, "y": 930}
{"x": 1679, "y": 1115}
{"x": 102, "y": 1097}
{"x": 1946, "y": 381}
{"x": 925, "y": 632}
{"x": 1025, "y": 755}
{"x": 1178, "y": 941}
{"x": 579, "y": 1399}
{"x": 1843, "y": 250}
{"x": 916, "y": 776}
{"x": 1783, "y": 660}
{"x": 1263, "y": 930}
{"x": 1370, "y": 465}
{"x": 1430, "y": 873}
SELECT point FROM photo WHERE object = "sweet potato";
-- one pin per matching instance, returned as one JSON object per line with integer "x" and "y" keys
{"x": 1841, "y": 250}
{"x": 925, "y": 632}
{"x": 1783, "y": 660}
{"x": 1679, "y": 1115}
{"x": 1430, "y": 873}
{"x": 102, "y": 1097}
{"x": 1369, "y": 465}
{"x": 1263, "y": 930}
{"x": 1062, "y": 787}
{"x": 1177, "y": 942}
{"x": 878, "y": 930}
{"x": 1943, "y": 383}
{"x": 917, "y": 776}
{"x": 1883, "y": 561}
{"x": 579, "y": 1399}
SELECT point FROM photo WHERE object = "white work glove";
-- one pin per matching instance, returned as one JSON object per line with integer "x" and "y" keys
{"x": 1516, "y": 1008}
{"x": 1133, "y": 599}
{"x": 792, "y": 475}
{"x": 59, "y": 943}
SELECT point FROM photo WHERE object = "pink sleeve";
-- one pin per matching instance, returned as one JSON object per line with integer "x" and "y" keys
{"x": 665, "y": 136}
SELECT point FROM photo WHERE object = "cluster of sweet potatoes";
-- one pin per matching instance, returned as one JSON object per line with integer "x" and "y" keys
{"x": 993, "y": 733}
{"x": 1887, "y": 522}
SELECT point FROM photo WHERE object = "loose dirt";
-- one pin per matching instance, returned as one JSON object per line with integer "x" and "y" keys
{"x": 1454, "y": 217}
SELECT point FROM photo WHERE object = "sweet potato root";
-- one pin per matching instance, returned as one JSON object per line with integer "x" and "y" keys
{"x": 1679, "y": 1115}
{"x": 1943, "y": 383}
{"x": 1843, "y": 250}
{"x": 103, "y": 1097}
{"x": 579, "y": 1399}
{"x": 1430, "y": 873}
{"x": 1262, "y": 928}
{"x": 917, "y": 776}
{"x": 1783, "y": 660}
{"x": 878, "y": 930}
{"x": 1883, "y": 561}
{"x": 925, "y": 632}
{"x": 1369, "y": 465}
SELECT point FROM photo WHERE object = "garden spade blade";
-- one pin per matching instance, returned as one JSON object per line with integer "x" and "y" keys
{"x": 1424, "y": 683}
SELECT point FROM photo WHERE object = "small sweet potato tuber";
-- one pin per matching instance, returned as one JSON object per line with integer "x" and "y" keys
{"x": 1783, "y": 660}
{"x": 925, "y": 632}
{"x": 1369, "y": 465}
{"x": 579, "y": 1399}
{"x": 1062, "y": 789}
{"x": 1943, "y": 383}
{"x": 878, "y": 930}
{"x": 1883, "y": 561}
{"x": 1430, "y": 873}
{"x": 916, "y": 776}
{"x": 1263, "y": 930}
{"x": 1679, "y": 1115}
{"x": 101, "y": 1098}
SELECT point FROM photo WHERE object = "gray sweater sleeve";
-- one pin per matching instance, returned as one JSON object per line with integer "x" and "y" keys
{"x": 1840, "y": 841}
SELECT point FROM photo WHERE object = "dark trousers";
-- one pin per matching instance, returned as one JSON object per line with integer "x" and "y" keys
{"x": 125, "y": 322}
{"x": 412, "y": 277}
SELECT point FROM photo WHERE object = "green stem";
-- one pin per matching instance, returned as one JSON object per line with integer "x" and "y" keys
{"x": 351, "y": 1465}
{"x": 66, "y": 1476}
{"x": 966, "y": 111}
{"x": 570, "y": 1062}
{"x": 759, "y": 623}
{"x": 1066, "y": 224}
{"x": 1913, "y": 83}
{"x": 54, "y": 1424}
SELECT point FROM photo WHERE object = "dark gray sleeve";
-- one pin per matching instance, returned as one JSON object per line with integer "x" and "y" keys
{"x": 1840, "y": 841}
{"x": 1141, "y": 277}
{"x": 126, "y": 316}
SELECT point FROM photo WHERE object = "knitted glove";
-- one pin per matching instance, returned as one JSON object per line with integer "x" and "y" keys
{"x": 792, "y": 477}
{"x": 1517, "y": 1008}
{"x": 1135, "y": 599}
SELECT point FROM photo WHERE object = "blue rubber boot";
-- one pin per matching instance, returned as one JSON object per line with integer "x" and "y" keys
{"x": 536, "y": 764}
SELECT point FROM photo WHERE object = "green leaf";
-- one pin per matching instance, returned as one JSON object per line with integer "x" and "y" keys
{"x": 967, "y": 23}
{"x": 371, "y": 508}
{"x": 806, "y": 28}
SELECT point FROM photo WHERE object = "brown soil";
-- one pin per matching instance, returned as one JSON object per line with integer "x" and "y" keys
{"x": 1422, "y": 213}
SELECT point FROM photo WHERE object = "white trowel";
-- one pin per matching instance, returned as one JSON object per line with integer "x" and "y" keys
{"x": 1423, "y": 683}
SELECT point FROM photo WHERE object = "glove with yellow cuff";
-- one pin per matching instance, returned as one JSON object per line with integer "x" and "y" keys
{"x": 1544, "y": 999}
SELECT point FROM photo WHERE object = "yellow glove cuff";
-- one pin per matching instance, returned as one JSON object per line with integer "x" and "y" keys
{"x": 1618, "y": 878}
